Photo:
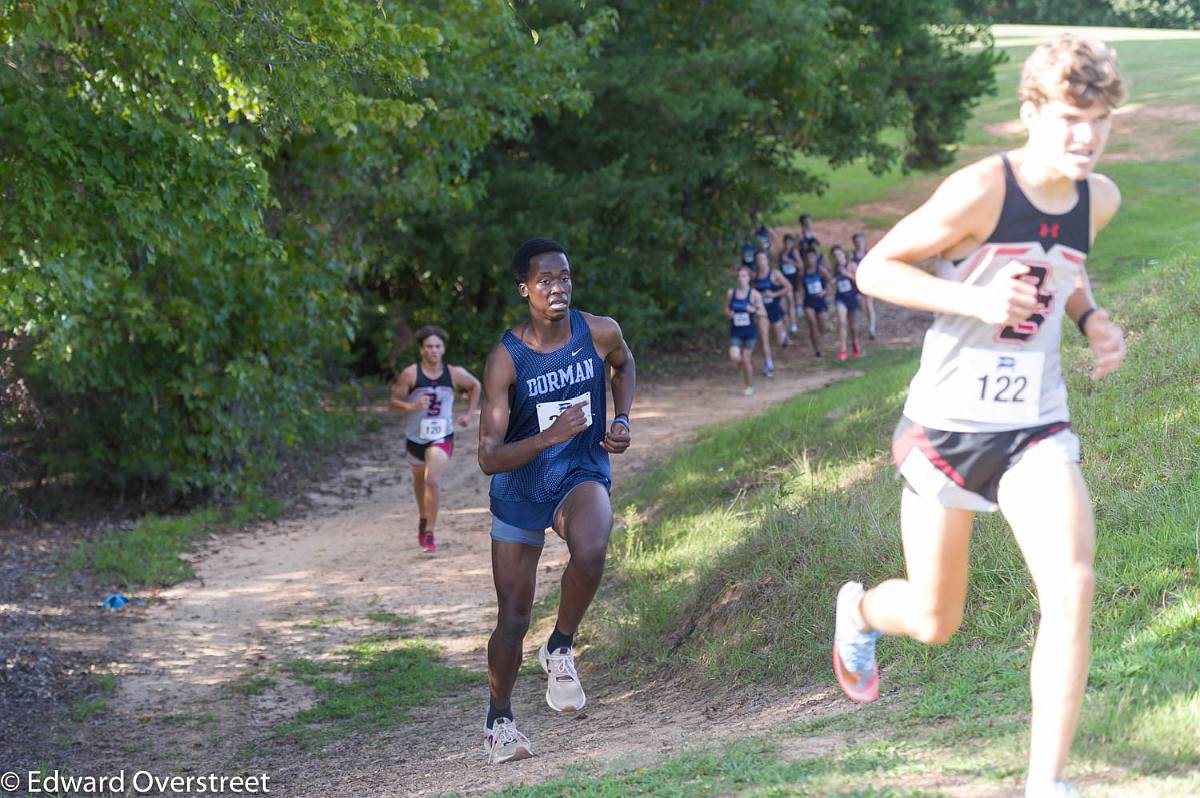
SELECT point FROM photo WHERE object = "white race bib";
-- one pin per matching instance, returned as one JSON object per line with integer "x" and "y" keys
{"x": 434, "y": 428}
{"x": 999, "y": 387}
{"x": 843, "y": 285}
{"x": 549, "y": 411}
{"x": 741, "y": 319}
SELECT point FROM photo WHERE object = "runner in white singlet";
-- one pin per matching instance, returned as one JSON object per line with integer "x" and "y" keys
{"x": 986, "y": 425}
{"x": 425, "y": 390}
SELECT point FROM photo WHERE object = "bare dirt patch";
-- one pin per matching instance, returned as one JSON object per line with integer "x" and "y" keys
{"x": 300, "y": 587}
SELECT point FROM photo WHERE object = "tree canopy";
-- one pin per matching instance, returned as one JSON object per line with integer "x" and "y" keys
{"x": 217, "y": 209}
{"x": 1133, "y": 13}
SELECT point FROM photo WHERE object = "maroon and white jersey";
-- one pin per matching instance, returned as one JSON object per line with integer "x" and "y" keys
{"x": 978, "y": 377}
{"x": 436, "y": 423}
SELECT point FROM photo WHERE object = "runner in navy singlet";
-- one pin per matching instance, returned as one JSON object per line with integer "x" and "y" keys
{"x": 815, "y": 281}
{"x": 808, "y": 239}
{"x": 986, "y": 425}
{"x": 765, "y": 235}
{"x": 856, "y": 257}
{"x": 789, "y": 267}
{"x": 743, "y": 307}
{"x": 543, "y": 437}
{"x": 772, "y": 286}
{"x": 846, "y": 299}
{"x": 425, "y": 390}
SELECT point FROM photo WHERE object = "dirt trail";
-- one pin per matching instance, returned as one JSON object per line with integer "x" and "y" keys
{"x": 302, "y": 586}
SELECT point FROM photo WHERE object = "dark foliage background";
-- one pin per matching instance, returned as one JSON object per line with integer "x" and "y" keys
{"x": 217, "y": 211}
{"x": 1131, "y": 13}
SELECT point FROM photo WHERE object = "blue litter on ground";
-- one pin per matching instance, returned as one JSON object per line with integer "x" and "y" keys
{"x": 115, "y": 601}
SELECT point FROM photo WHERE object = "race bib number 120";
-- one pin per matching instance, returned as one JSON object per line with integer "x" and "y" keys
{"x": 434, "y": 428}
{"x": 998, "y": 387}
{"x": 548, "y": 411}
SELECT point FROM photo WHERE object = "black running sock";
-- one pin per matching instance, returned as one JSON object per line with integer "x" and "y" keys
{"x": 494, "y": 713}
{"x": 422, "y": 524}
{"x": 559, "y": 640}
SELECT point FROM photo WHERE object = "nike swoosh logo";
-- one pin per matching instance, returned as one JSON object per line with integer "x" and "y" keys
{"x": 577, "y": 351}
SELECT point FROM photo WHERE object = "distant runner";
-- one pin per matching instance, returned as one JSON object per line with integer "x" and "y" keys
{"x": 425, "y": 390}
{"x": 815, "y": 280}
{"x": 846, "y": 299}
{"x": 856, "y": 257}
{"x": 743, "y": 308}
{"x": 772, "y": 286}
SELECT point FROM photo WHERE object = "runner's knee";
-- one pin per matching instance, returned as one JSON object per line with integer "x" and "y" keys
{"x": 588, "y": 560}
{"x": 511, "y": 625}
{"x": 1070, "y": 591}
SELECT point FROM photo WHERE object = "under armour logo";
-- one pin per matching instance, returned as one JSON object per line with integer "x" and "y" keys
{"x": 1048, "y": 230}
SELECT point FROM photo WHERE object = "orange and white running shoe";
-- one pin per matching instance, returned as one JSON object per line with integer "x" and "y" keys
{"x": 854, "y": 650}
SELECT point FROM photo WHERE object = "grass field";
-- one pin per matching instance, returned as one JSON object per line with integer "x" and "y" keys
{"x": 731, "y": 554}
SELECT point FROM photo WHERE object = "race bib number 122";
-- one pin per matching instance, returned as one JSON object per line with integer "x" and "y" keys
{"x": 998, "y": 387}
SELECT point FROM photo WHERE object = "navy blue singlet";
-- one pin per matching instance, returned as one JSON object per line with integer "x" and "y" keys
{"x": 844, "y": 284}
{"x": 814, "y": 285}
{"x": 764, "y": 284}
{"x": 748, "y": 251}
{"x": 546, "y": 382}
{"x": 764, "y": 238}
{"x": 742, "y": 312}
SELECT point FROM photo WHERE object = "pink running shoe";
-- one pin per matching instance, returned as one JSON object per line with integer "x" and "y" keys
{"x": 854, "y": 651}
{"x": 427, "y": 542}
{"x": 842, "y": 356}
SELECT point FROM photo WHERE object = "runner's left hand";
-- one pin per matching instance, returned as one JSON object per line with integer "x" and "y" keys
{"x": 1107, "y": 342}
{"x": 464, "y": 420}
{"x": 617, "y": 440}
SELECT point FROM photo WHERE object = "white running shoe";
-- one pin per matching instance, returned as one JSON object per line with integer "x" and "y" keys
{"x": 504, "y": 742}
{"x": 1050, "y": 789}
{"x": 564, "y": 693}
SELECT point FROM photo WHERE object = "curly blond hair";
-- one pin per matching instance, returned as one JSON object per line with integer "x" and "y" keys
{"x": 1072, "y": 69}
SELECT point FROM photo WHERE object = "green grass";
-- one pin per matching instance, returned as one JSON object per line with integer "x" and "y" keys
{"x": 1158, "y": 65}
{"x": 252, "y": 685}
{"x": 88, "y": 708}
{"x": 752, "y": 767}
{"x": 731, "y": 553}
{"x": 150, "y": 553}
{"x": 370, "y": 685}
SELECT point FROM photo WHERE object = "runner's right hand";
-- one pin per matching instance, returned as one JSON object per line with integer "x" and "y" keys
{"x": 1009, "y": 298}
{"x": 423, "y": 402}
{"x": 569, "y": 423}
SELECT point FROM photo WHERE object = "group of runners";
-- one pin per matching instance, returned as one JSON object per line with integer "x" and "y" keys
{"x": 985, "y": 427}
{"x": 767, "y": 301}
